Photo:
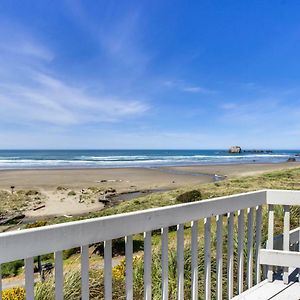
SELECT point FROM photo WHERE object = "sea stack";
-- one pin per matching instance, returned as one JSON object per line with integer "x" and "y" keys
{"x": 235, "y": 149}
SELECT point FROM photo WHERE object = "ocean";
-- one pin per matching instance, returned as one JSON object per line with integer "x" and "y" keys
{"x": 35, "y": 159}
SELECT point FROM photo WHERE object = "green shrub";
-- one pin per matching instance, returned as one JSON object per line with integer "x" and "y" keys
{"x": 12, "y": 268}
{"x": 61, "y": 188}
{"x": 72, "y": 193}
{"x": 32, "y": 193}
{"x": 189, "y": 196}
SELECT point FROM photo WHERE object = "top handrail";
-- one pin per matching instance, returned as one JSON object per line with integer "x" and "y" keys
{"x": 283, "y": 197}
{"x": 37, "y": 241}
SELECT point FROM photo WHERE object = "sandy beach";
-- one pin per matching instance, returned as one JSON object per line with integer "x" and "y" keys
{"x": 62, "y": 188}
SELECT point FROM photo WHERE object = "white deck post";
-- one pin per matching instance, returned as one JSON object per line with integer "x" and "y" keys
{"x": 164, "y": 263}
{"x": 207, "y": 259}
{"x": 230, "y": 255}
{"x": 270, "y": 241}
{"x": 258, "y": 243}
{"x": 250, "y": 248}
{"x": 219, "y": 259}
{"x": 29, "y": 278}
{"x": 286, "y": 239}
{"x": 180, "y": 261}
{"x": 241, "y": 235}
{"x": 129, "y": 267}
{"x": 194, "y": 250}
{"x": 108, "y": 270}
{"x": 85, "y": 272}
{"x": 59, "y": 276}
{"x": 147, "y": 266}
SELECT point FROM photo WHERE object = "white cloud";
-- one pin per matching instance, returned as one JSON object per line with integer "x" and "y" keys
{"x": 29, "y": 93}
{"x": 183, "y": 86}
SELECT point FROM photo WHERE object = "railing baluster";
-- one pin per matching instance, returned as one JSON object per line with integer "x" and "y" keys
{"x": 250, "y": 247}
{"x": 207, "y": 259}
{"x": 29, "y": 278}
{"x": 241, "y": 236}
{"x": 180, "y": 261}
{"x": 230, "y": 255}
{"x": 147, "y": 266}
{"x": 270, "y": 241}
{"x": 164, "y": 263}
{"x": 59, "y": 275}
{"x": 85, "y": 272}
{"x": 219, "y": 259}
{"x": 258, "y": 243}
{"x": 107, "y": 270}
{"x": 286, "y": 239}
{"x": 194, "y": 250}
{"x": 129, "y": 267}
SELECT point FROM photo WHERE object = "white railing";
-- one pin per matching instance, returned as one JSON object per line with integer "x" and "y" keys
{"x": 26, "y": 244}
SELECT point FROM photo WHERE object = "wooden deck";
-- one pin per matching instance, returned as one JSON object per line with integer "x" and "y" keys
{"x": 275, "y": 290}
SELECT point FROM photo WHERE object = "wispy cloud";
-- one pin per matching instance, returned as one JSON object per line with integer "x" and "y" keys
{"x": 117, "y": 35}
{"x": 183, "y": 86}
{"x": 32, "y": 91}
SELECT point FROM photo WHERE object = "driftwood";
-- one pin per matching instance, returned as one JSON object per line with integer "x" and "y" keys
{"x": 104, "y": 201}
{"x": 10, "y": 219}
{"x": 39, "y": 207}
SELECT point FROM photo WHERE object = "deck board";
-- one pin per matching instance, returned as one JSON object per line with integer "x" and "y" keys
{"x": 275, "y": 290}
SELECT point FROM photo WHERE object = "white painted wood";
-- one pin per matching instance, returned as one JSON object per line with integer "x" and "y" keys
{"x": 219, "y": 256}
{"x": 250, "y": 248}
{"x": 164, "y": 263}
{"x": 180, "y": 262}
{"x": 270, "y": 238}
{"x": 29, "y": 278}
{"x": 207, "y": 258}
{"x": 286, "y": 239}
{"x": 276, "y": 290}
{"x": 241, "y": 234}
{"x": 129, "y": 267}
{"x": 283, "y": 197}
{"x": 258, "y": 230}
{"x": 47, "y": 239}
{"x": 147, "y": 266}
{"x": 279, "y": 258}
{"x": 108, "y": 270}
{"x": 85, "y": 272}
{"x": 194, "y": 250}
{"x": 230, "y": 262}
{"x": 59, "y": 275}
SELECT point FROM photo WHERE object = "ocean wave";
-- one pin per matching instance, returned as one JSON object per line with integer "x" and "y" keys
{"x": 144, "y": 159}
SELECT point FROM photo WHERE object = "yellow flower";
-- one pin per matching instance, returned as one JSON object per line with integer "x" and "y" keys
{"x": 14, "y": 294}
{"x": 118, "y": 272}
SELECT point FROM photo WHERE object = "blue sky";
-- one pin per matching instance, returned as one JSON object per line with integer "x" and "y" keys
{"x": 149, "y": 74}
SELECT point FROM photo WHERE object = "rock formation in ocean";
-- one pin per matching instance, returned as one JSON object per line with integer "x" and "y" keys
{"x": 235, "y": 149}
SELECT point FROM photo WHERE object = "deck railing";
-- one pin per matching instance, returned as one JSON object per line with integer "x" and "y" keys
{"x": 240, "y": 260}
